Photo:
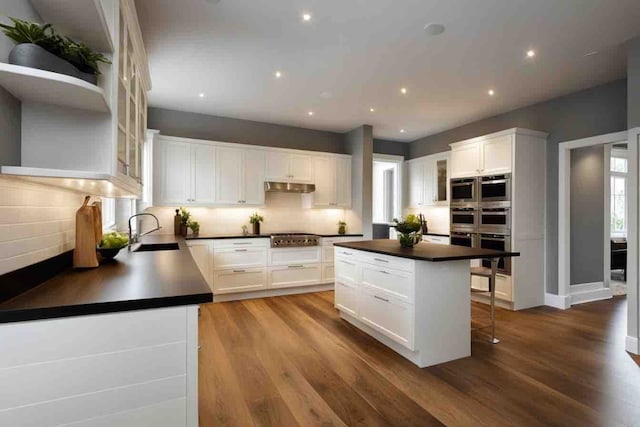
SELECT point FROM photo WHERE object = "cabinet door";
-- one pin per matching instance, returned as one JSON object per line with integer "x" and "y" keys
{"x": 233, "y": 258}
{"x": 496, "y": 155}
{"x": 325, "y": 180}
{"x": 294, "y": 275}
{"x": 253, "y": 173}
{"x": 328, "y": 273}
{"x": 201, "y": 253}
{"x": 172, "y": 173}
{"x": 429, "y": 197}
{"x": 346, "y": 298}
{"x": 301, "y": 168}
{"x": 343, "y": 182}
{"x": 278, "y": 166}
{"x": 416, "y": 184}
{"x": 229, "y": 176}
{"x": 441, "y": 180}
{"x": 465, "y": 160}
{"x": 387, "y": 315}
{"x": 204, "y": 163}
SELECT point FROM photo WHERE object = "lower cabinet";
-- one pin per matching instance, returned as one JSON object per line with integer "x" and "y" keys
{"x": 387, "y": 314}
{"x": 346, "y": 297}
{"x": 288, "y": 276}
{"x": 239, "y": 280}
{"x": 328, "y": 273}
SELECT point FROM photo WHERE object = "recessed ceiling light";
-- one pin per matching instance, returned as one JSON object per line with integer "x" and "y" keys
{"x": 401, "y": 130}
{"x": 278, "y": 74}
{"x": 491, "y": 92}
{"x": 373, "y": 110}
{"x": 306, "y": 17}
{"x": 201, "y": 95}
{"x": 403, "y": 90}
{"x": 434, "y": 29}
{"x": 531, "y": 53}
{"x": 310, "y": 113}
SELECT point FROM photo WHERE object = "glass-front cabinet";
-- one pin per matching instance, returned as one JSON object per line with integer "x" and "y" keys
{"x": 132, "y": 107}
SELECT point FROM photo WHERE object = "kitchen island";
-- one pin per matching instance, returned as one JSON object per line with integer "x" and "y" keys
{"x": 414, "y": 300}
{"x": 115, "y": 345}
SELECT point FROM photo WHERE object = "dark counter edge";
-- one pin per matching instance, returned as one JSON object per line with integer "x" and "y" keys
{"x": 437, "y": 234}
{"x": 51, "y": 313}
{"x": 261, "y": 236}
{"x": 422, "y": 258}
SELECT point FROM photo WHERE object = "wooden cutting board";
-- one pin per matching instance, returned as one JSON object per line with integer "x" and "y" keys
{"x": 87, "y": 236}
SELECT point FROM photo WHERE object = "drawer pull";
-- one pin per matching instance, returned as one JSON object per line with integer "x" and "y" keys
{"x": 347, "y": 253}
{"x": 380, "y": 298}
{"x": 347, "y": 262}
{"x": 242, "y": 243}
{"x": 239, "y": 271}
{"x": 241, "y": 250}
{"x": 380, "y": 260}
{"x": 383, "y": 272}
{"x": 295, "y": 266}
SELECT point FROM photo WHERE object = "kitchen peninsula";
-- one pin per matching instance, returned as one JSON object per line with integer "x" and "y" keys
{"x": 414, "y": 300}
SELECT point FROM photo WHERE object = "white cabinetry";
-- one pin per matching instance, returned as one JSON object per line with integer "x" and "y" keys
{"x": 482, "y": 156}
{"x": 326, "y": 245}
{"x": 428, "y": 180}
{"x": 332, "y": 177}
{"x": 239, "y": 265}
{"x": 239, "y": 176}
{"x": 287, "y": 276}
{"x": 284, "y": 166}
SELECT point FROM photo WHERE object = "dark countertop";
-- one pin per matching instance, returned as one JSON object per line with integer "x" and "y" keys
{"x": 257, "y": 236}
{"x": 425, "y": 251}
{"x": 438, "y": 234}
{"x": 133, "y": 281}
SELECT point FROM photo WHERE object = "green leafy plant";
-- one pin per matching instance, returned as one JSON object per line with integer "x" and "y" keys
{"x": 185, "y": 216}
{"x": 194, "y": 226}
{"x": 255, "y": 218}
{"x": 342, "y": 227}
{"x": 45, "y": 36}
{"x": 409, "y": 225}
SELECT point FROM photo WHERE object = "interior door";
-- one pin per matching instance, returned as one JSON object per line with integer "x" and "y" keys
{"x": 173, "y": 172}
{"x": 325, "y": 180}
{"x": 278, "y": 166}
{"x": 204, "y": 163}
{"x": 229, "y": 176}
{"x": 254, "y": 171}
{"x": 301, "y": 168}
{"x": 343, "y": 182}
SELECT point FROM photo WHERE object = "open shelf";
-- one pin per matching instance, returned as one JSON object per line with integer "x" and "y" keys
{"x": 85, "y": 182}
{"x": 30, "y": 84}
{"x": 82, "y": 20}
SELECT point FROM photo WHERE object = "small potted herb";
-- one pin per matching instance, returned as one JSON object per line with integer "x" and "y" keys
{"x": 255, "y": 220}
{"x": 185, "y": 218}
{"x": 195, "y": 227}
{"x": 342, "y": 227}
{"x": 409, "y": 231}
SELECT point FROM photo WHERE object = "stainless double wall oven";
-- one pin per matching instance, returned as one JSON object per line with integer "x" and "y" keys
{"x": 480, "y": 214}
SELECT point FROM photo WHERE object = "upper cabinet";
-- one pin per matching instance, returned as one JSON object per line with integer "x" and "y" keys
{"x": 483, "y": 156}
{"x": 284, "y": 166}
{"x": 428, "y": 179}
{"x": 332, "y": 178}
{"x": 239, "y": 176}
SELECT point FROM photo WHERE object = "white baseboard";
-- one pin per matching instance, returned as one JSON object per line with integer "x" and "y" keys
{"x": 589, "y": 292}
{"x": 632, "y": 345}
{"x": 562, "y": 302}
{"x": 273, "y": 292}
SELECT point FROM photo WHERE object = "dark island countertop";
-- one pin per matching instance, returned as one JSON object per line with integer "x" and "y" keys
{"x": 205, "y": 236}
{"x": 133, "y": 281}
{"x": 425, "y": 251}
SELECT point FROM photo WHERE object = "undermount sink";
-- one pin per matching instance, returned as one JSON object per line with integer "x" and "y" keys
{"x": 153, "y": 247}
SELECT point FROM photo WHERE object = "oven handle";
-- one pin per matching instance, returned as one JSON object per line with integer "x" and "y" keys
{"x": 494, "y": 239}
{"x": 495, "y": 181}
{"x": 495, "y": 213}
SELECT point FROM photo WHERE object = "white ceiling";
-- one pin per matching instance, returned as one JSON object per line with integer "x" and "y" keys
{"x": 357, "y": 54}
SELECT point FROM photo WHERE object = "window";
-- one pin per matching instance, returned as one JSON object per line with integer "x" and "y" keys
{"x": 619, "y": 168}
{"x": 386, "y": 188}
{"x": 108, "y": 213}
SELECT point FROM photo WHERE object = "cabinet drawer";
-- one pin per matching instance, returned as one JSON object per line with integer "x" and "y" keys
{"x": 329, "y": 241}
{"x": 346, "y": 298}
{"x": 288, "y": 256}
{"x": 387, "y": 315}
{"x": 346, "y": 270}
{"x": 243, "y": 243}
{"x": 395, "y": 282}
{"x": 239, "y": 257}
{"x": 504, "y": 286}
{"x": 388, "y": 261}
{"x": 441, "y": 240}
{"x": 239, "y": 280}
{"x": 343, "y": 252}
{"x": 328, "y": 273}
{"x": 294, "y": 275}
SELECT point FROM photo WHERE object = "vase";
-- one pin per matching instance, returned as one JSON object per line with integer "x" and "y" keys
{"x": 184, "y": 229}
{"x": 409, "y": 240}
{"x": 256, "y": 228}
{"x": 33, "y": 56}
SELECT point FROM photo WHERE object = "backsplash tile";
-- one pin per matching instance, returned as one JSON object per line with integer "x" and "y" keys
{"x": 36, "y": 222}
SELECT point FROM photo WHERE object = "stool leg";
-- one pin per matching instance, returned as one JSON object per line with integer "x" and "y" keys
{"x": 494, "y": 269}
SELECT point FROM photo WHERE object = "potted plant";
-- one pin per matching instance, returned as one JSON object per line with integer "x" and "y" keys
{"x": 409, "y": 231}
{"x": 342, "y": 227}
{"x": 39, "y": 46}
{"x": 255, "y": 220}
{"x": 185, "y": 217}
{"x": 195, "y": 227}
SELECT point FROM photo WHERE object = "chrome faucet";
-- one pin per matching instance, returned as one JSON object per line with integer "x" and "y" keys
{"x": 134, "y": 238}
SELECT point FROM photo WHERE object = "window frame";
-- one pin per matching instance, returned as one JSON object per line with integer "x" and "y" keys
{"x": 618, "y": 154}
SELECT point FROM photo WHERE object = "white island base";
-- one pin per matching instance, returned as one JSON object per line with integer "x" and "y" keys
{"x": 420, "y": 309}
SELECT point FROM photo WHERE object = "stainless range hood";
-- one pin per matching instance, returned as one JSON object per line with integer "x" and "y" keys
{"x": 289, "y": 187}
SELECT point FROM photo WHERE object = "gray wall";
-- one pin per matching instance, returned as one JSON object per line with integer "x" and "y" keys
{"x": 383, "y": 146}
{"x": 595, "y": 111}
{"x": 633, "y": 84}
{"x": 359, "y": 143}
{"x": 587, "y": 215}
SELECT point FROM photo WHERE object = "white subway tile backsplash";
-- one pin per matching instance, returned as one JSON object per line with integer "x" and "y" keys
{"x": 36, "y": 222}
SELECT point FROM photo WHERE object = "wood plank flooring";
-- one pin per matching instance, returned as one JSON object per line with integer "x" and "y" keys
{"x": 291, "y": 361}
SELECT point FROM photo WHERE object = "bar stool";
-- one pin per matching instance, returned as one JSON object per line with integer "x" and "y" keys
{"x": 489, "y": 273}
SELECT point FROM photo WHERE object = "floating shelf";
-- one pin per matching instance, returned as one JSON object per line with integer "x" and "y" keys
{"x": 82, "y": 20}
{"x": 91, "y": 183}
{"x": 30, "y": 84}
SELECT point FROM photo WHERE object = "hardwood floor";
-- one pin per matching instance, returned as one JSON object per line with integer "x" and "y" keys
{"x": 290, "y": 361}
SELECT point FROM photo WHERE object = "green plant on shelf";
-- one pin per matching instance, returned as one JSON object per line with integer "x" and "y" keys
{"x": 256, "y": 218}
{"x": 185, "y": 216}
